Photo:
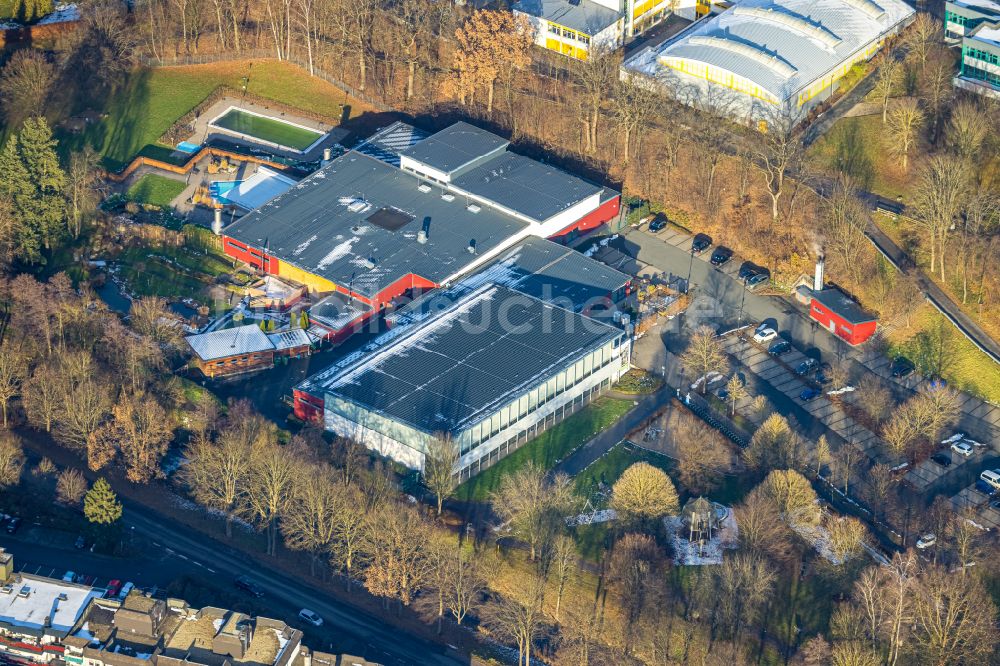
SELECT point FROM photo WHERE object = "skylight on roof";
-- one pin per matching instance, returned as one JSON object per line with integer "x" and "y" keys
{"x": 390, "y": 219}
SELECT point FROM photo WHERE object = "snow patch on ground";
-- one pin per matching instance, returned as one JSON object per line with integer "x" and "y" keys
{"x": 712, "y": 378}
{"x": 846, "y": 389}
{"x": 687, "y": 553}
{"x": 64, "y": 12}
{"x": 818, "y": 537}
{"x": 592, "y": 518}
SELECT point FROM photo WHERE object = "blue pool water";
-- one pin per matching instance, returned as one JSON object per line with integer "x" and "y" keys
{"x": 188, "y": 147}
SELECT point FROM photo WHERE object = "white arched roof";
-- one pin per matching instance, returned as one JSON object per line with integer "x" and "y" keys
{"x": 781, "y": 46}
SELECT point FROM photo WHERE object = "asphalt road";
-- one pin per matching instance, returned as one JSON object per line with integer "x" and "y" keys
{"x": 170, "y": 552}
{"x": 718, "y": 295}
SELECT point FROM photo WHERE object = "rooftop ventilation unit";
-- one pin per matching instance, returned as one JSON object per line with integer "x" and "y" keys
{"x": 7, "y": 589}
{"x": 62, "y": 597}
{"x": 421, "y": 236}
{"x": 24, "y": 592}
{"x": 424, "y": 187}
{"x": 367, "y": 264}
{"x": 473, "y": 208}
{"x": 448, "y": 197}
{"x": 357, "y": 205}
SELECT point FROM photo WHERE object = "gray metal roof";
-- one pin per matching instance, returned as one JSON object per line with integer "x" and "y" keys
{"x": 445, "y": 373}
{"x": 246, "y": 339}
{"x": 526, "y": 186}
{"x": 321, "y": 226}
{"x": 455, "y": 147}
{"x": 838, "y": 302}
{"x": 583, "y": 16}
{"x": 387, "y": 143}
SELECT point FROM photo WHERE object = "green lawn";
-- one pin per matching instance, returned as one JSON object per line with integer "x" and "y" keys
{"x": 155, "y": 190}
{"x": 267, "y": 129}
{"x": 856, "y": 147}
{"x": 549, "y": 448}
{"x": 609, "y": 467}
{"x": 172, "y": 272}
{"x": 151, "y": 100}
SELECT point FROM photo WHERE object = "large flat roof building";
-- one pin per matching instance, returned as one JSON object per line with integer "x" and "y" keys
{"x": 536, "y": 267}
{"x": 765, "y": 55}
{"x": 490, "y": 370}
{"x": 979, "y": 70}
{"x": 961, "y": 17}
{"x": 406, "y": 212}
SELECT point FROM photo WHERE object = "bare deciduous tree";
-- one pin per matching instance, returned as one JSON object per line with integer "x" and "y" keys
{"x": 532, "y": 504}
{"x": 396, "y": 551}
{"x": 270, "y": 481}
{"x": 704, "y": 354}
{"x": 71, "y": 486}
{"x": 518, "y": 616}
{"x": 440, "y": 459}
{"x": 903, "y": 129}
{"x": 11, "y": 459}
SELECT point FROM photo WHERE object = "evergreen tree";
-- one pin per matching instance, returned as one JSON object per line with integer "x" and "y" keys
{"x": 101, "y": 505}
{"x": 32, "y": 179}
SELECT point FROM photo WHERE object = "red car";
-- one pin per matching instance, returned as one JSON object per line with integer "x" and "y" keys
{"x": 114, "y": 587}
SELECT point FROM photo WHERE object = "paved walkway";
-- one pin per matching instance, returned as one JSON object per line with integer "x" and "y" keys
{"x": 645, "y": 409}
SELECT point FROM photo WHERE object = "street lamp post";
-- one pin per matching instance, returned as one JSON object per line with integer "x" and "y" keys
{"x": 743, "y": 298}
{"x": 687, "y": 285}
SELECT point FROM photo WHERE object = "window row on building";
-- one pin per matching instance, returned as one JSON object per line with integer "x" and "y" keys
{"x": 488, "y": 459}
{"x": 519, "y": 409}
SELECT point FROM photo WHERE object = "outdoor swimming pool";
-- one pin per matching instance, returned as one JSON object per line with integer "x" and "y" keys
{"x": 267, "y": 129}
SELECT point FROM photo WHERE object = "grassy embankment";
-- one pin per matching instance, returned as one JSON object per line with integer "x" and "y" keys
{"x": 548, "y": 448}
{"x": 856, "y": 146}
{"x": 153, "y": 99}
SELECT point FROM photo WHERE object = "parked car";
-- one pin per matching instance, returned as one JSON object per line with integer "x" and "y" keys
{"x": 311, "y": 617}
{"x": 659, "y": 223}
{"x": 990, "y": 476}
{"x": 809, "y": 394}
{"x": 963, "y": 448}
{"x": 721, "y": 255}
{"x": 114, "y": 587}
{"x": 926, "y": 541}
{"x": 701, "y": 243}
{"x": 902, "y": 367}
{"x": 942, "y": 459}
{"x": 249, "y": 587}
{"x": 748, "y": 269}
{"x": 756, "y": 280}
{"x": 806, "y": 366}
{"x": 822, "y": 378}
{"x": 69, "y": 577}
{"x": 126, "y": 588}
{"x": 779, "y": 347}
{"x": 81, "y": 543}
{"x": 13, "y": 525}
{"x": 765, "y": 335}
{"x": 985, "y": 488}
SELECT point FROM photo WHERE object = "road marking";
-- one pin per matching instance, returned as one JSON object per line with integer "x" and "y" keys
{"x": 210, "y": 569}
{"x": 182, "y": 556}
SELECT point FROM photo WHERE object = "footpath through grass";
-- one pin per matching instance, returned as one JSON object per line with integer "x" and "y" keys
{"x": 153, "y": 98}
{"x": 549, "y": 448}
{"x": 155, "y": 190}
{"x": 267, "y": 129}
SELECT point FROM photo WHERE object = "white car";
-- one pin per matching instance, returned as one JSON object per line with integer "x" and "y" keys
{"x": 765, "y": 335}
{"x": 311, "y": 617}
{"x": 963, "y": 448}
{"x": 926, "y": 541}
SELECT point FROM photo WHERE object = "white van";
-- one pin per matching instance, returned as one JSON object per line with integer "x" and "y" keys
{"x": 992, "y": 477}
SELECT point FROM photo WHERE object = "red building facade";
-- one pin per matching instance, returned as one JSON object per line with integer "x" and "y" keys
{"x": 840, "y": 315}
